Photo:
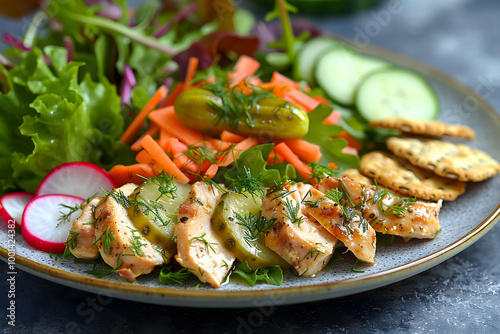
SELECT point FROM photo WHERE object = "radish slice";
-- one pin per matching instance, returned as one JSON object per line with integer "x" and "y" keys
{"x": 12, "y": 206}
{"x": 41, "y": 226}
{"x": 81, "y": 179}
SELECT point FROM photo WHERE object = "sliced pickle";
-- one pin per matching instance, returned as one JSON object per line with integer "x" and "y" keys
{"x": 234, "y": 236}
{"x": 154, "y": 214}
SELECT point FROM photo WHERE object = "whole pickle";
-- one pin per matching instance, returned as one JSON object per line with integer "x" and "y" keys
{"x": 269, "y": 118}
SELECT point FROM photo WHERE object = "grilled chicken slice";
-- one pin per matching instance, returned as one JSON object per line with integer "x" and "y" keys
{"x": 296, "y": 238}
{"x": 198, "y": 248}
{"x": 120, "y": 244}
{"x": 420, "y": 221}
{"x": 353, "y": 231}
{"x": 82, "y": 234}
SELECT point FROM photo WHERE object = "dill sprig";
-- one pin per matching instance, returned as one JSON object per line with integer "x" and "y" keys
{"x": 136, "y": 242}
{"x": 168, "y": 276}
{"x": 349, "y": 213}
{"x": 311, "y": 252}
{"x": 106, "y": 237}
{"x": 70, "y": 243}
{"x": 208, "y": 245}
{"x": 248, "y": 184}
{"x": 292, "y": 209}
{"x": 320, "y": 172}
{"x": 254, "y": 226}
{"x": 165, "y": 183}
{"x": 398, "y": 208}
{"x": 235, "y": 104}
{"x": 66, "y": 216}
{"x": 100, "y": 273}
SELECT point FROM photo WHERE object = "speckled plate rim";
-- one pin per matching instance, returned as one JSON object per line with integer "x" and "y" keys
{"x": 279, "y": 296}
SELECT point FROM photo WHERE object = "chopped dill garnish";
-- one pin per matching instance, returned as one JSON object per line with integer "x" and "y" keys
{"x": 136, "y": 242}
{"x": 398, "y": 208}
{"x": 71, "y": 243}
{"x": 248, "y": 184}
{"x": 165, "y": 183}
{"x": 66, "y": 216}
{"x": 353, "y": 268}
{"x": 254, "y": 226}
{"x": 168, "y": 276}
{"x": 292, "y": 211}
{"x": 311, "y": 252}
{"x": 320, "y": 172}
{"x": 108, "y": 236}
{"x": 235, "y": 104}
{"x": 100, "y": 273}
{"x": 309, "y": 203}
{"x": 208, "y": 245}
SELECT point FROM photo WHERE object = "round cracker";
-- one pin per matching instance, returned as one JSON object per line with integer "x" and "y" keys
{"x": 400, "y": 176}
{"x": 424, "y": 127}
{"x": 451, "y": 160}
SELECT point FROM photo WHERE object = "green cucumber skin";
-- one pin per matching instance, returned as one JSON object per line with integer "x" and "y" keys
{"x": 425, "y": 105}
{"x": 308, "y": 55}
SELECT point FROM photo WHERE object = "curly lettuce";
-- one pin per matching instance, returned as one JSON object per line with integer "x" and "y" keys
{"x": 48, "y": 117}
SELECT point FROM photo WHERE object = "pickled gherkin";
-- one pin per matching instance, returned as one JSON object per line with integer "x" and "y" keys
{"x": 260, "y": 114}
{"x": 155, "y": 208}
{"x": 238, "y": 224}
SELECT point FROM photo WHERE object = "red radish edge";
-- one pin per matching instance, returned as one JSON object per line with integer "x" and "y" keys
{"x": 48, "y": 186}
{"x": 32, "y": 220}
{"x": 14, "y": 211}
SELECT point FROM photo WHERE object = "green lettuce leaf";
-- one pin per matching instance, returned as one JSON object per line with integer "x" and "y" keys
{"x": 49, "y": 117}
{"x": 271, "y": 274}
{"x": 323, "y": 135}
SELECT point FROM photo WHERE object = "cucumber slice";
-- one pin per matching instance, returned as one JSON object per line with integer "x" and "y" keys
{"x": 156, "y": 216}
{"x": 339, "y": 71}
{"x": 235, "y": 237}
{"x": 309, "y": 53}
{"x": 396, "y": 92}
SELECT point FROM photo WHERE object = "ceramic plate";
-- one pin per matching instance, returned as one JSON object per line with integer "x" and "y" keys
{"x": 463, "y": 222}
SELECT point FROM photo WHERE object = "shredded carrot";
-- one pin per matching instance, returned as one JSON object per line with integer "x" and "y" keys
{"x": 233, "y": 154}
{"x": 220, "y": 145}
{"x": 164, "y": 137}
{"x": 287, "y": 154}
{"x": 333, "y": 118}
{"x": 301, "y": 99}
{"x": 306, "y": 151}
{"x": 138, "y": 121}
{"x": 191, "y": 70}
{"x": 211, "y": 171}
{"x": 333, "y": 165}
{"x": 350, "y": 141}
{"x": 245, "y": 66}
{"x": 121, "y": 174}
{"x": 162, "y": 159}
{"x": 152, "y": 130}
{"x": 176, "y": 91}
{"x": 231, "y": 137}
{"x": 321, "y": 100}
{"x": 279, "y": 78}
{"x": 168, "y": 121}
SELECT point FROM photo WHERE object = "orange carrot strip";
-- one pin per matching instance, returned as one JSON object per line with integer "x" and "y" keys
{"x": 287, "y": 154}
{"x": 350, "y": 141}
{"x": 230, "y": 137}
{"x": 175, "y": 92}
{"x": 152, "y": 130}
{"x": 177, "y": 149}
{"x": 244, "y": 67}
{"x": 164, "y": 137}
{"x": 191, "y": 70}
{"x": 302, "y": 99}
{"x": 306, "y": 151}
{"x": 162, "y": 159}
{"x": 233, "y": 154}
{"x": 167, "y": 120}
{"x": 274, "y": 158}
{"x": 124, "y": 174}
{"x": 203, "y": 82}
{"x": 333, "y": 165}
{"x": 281, "y": 79}
{"x": 321, "y": 100}
{"x": 211, "y": 171}
{"x": 333, "y": 118}
{"x": 220, "y": 145}
{"x": 138, "y": 121}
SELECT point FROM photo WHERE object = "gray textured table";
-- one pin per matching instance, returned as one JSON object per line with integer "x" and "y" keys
{"x": 462, "y": 294}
